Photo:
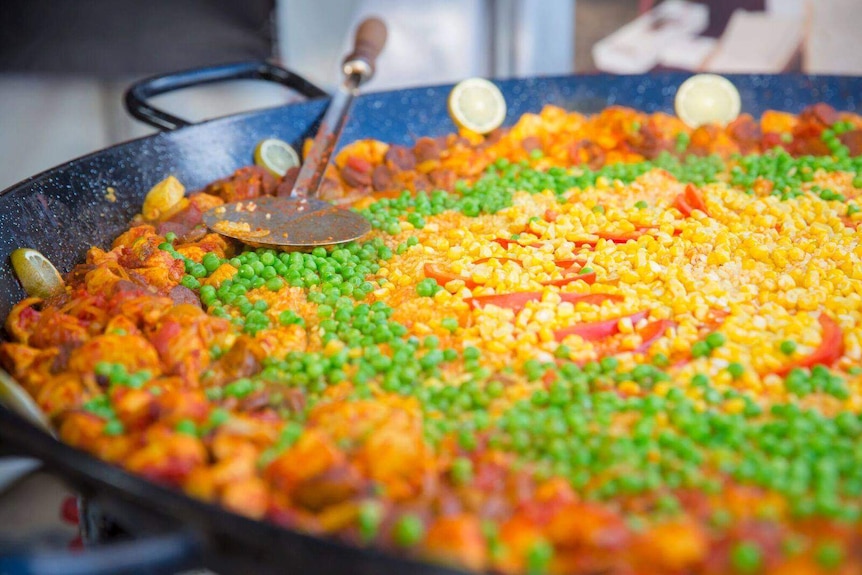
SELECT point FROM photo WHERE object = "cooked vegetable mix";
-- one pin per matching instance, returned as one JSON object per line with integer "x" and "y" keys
{"x": 607, "y": 344}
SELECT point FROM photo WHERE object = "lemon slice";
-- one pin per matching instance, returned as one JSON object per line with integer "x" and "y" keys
{"x": 276, "y": 156}
{"x": 478, "y": 105}
{"x": 36, "y": 273}
{"x": 707, "y": 98}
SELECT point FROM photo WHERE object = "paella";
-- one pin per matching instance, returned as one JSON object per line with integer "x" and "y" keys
{"x": 581, "y": 344}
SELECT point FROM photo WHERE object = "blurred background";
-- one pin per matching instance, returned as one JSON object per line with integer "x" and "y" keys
{"x": 64, "y": 64}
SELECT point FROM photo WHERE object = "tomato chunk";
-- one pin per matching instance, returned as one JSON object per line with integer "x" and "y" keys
{"x": 831, "y": 347}
{"x": 518, "y": 300}
{"x": 598, "y": 330}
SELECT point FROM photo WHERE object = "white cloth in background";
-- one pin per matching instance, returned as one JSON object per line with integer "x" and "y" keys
{"x": 45, "y": 121}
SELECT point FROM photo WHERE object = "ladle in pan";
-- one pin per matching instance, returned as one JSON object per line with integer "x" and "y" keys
{"x": 301, "y": 220}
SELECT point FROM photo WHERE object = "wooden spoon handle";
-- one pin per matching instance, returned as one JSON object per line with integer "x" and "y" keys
{"x": 367, "y": 45}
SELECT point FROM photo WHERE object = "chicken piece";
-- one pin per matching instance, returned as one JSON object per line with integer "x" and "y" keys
{"x": 244, "y": 184}
{"x": 678, "y": 546}
{"x": 22, "y": 318}
{"x": 134, "y": 407}
{"x": 133, "y": 351}
{"x": 310, "y": 456}
{"x": 18, "y": 358}
{"x": 182, "y": 337}
{"x": 175, "y": 405}
{"x": 243, "y": 359}
{"x": 166, "y": 456}
{"x": 395, "y": 455}
{"x": 249, "y": 497}
{"x": 60, "y": 394}
{"x": 457, "y": 540}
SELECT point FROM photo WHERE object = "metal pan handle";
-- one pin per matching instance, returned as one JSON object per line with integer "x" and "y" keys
{"x": 137, "y": 96}
{"x": 162, "y": 554}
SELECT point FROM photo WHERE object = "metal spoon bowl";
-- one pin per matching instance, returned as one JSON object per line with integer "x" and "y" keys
{"x": 287, "y": 223}
{"x": 301, "y": 220}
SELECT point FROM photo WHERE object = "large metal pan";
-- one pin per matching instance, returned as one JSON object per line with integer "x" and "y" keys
{"x": 64, "y": 211}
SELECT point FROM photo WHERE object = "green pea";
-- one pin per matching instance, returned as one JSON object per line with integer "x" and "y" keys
{"x": 539, "y": 557}
{"x": 186, "y": 427}
{"x": 735, "y": 369}
{"x": 787, "y": 347}
{"x": 211, "y": 262}
{"x": 408, "y": 530}
{"x": 190, "y": 282}
{"x": 114, "y": 427}
{"x": 746, "y": 557}
{"x": 700, "y": 349}
{"x": 461, "y": 470}
{"x": 715, "y": 340}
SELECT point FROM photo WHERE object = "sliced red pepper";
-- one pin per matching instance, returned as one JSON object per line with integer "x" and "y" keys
{"x": 506, "y": 242}
{"x": 688, "y": 201}
{"x": 559, "y": 263}
{"x": 831, "y": 347}
{"x": 551, "y": 215}
{"x": 598, "y": 330}
{"x": 682, "y": 205}
{"x": 695, "y": 198}
{"x": 575, "y": 275}
{"x": 503, "y": 259}
{"x": 615, "y": 237}
{"x": 569, "y": 263}
{"x": 652, "y": 332}
{"x": 518, "y": 300}
{"x": 443, "y": 276}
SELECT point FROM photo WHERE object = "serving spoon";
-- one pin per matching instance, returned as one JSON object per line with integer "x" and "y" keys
{"x": 301, "y": 220}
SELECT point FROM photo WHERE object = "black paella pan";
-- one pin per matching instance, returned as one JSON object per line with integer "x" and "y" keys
{"x": 66, "y": 210}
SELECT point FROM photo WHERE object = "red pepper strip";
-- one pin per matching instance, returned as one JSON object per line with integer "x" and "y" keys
{"x": 486, "y": 260}
{"x": 569, "y": 263}
{"x": 590, "y": 278}
{"x": 652, "y": 332}
{"x": 506, "y": 242}
{"x": 615, "y": 237}
{"x": 831, "y": 347}
{"x": 683, "y": 206}
{"x": 559, "y": 263}
{"x": 550, "y": 215}
{"x": 595, "y": 331}
{"x": 443, "y": 276}
{"x": 689, "y": 201}
{"x": 695, "y": 198}
{"x": 518, "y": 300}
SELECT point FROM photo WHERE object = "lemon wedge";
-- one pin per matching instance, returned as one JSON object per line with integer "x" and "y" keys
{"x": 276, "y": 156}
{"x": 36, "y": 273}
{"x": 163, "y": 200}
{"x": 707, "y": 98}
{"x": 477, "y": 105}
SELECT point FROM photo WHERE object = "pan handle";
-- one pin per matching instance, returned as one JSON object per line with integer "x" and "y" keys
{"x": 138, "y": 95}
{"x": 161, "y": 554}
